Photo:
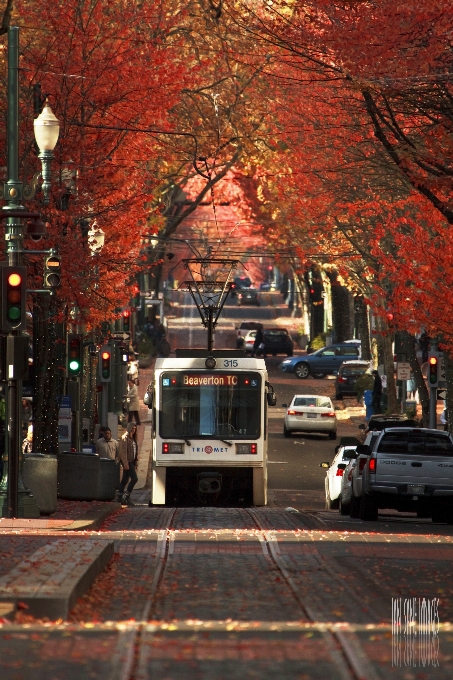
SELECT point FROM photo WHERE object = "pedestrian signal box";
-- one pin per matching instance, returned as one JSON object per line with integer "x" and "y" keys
{"x": 74, "y": 355}
{"x": 105, "y": 363}
{"x": 433, "y": 370}
{"x": 13, "y": 297}
{"x": 52, "y": 272}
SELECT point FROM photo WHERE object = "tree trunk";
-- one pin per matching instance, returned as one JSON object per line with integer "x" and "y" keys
{"x": 363, "y": 328}
{"x": 392, "y": 403}
{"x": 448, "y": 361}
{"x": 48, "y": 367}
{"x": 408, "y": 348}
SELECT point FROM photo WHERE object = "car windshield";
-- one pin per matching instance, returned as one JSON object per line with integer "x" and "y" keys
{"x": 320, "y": 402}
{"x": 416, "y": 443}
{"x": 275, "y": 333}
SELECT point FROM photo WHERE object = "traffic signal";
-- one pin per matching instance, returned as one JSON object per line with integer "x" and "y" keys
{"x": 74, "y": 355}
{"x": 105, "y": 363}
{"x": 433, "y": 370}
{"x": 135, "y": 302}
{"x": 14, "y": 291}
{"x": 127, "y": 320}
{"x": 52, "y": 272}
{"x": 124, "y": 353}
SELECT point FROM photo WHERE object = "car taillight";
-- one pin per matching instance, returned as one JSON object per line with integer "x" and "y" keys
{"x": 291, "y": 412}
{"x": 331, "y": 414}
{"x": 341, "y": 379}
{"x": 339, "y": 473}
{"x": 372, "y": 465}
{"x": 362, "y": 462}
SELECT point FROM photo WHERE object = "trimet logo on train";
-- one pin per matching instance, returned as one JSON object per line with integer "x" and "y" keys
{"x": 210, "y": 449}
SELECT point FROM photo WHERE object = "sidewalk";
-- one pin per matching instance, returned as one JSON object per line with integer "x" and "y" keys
{"x": 70, "y": 516}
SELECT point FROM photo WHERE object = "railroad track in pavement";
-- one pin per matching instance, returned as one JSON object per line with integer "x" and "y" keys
{"x": 187, "y": 537}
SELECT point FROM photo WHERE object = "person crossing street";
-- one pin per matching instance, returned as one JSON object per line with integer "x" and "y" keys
{"x": 128, "y": 454}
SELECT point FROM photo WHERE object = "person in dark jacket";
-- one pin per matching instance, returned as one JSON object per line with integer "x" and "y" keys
{"x": 128, "y": 454}
{"x": 377, "y": 392}
{"x": 259, "y": 340}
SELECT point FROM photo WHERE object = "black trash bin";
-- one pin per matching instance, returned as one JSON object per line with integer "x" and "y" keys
{"x": 40, "y": 476}
{"x": 78, "y": 476}
{"x": 109, "y": 478}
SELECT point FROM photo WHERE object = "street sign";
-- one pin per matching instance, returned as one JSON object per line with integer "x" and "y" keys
{"x": 403, "y": 370}
{"x": 441, "y": 394}
{"x": 121, "y": 336}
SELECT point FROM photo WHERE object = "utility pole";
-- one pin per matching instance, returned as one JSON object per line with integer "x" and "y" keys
{"x": 433, "y": 381}
{"x": 19, "y": 502}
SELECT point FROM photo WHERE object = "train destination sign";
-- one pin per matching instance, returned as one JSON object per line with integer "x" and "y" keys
{"x": 210, "y": 379}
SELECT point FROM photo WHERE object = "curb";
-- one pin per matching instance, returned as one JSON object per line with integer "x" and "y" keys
{"x": 92, "y": 519}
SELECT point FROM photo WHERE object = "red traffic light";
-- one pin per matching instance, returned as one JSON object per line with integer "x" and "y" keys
{"x": 433, "y": 360}
{"x": 126, "y": 313}
{"x": 105, "y": 355}
{"x": 14, "y": 279}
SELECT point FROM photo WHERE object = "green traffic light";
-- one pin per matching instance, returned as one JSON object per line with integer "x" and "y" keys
{"x": 14, "y": 313}
{"x": 74, "y": 365}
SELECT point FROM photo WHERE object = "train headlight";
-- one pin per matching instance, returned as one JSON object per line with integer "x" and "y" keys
{"x": 210, "y": 363}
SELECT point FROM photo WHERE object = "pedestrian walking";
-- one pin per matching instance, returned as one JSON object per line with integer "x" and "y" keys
{"x": 423, "y": 343}
{"x": 132, "y": 369}
{"x": 163, "y": 347}
{"x": 258, "y": 345}
{"x": 27, "y": 444}
{"x": 106, "y": 446}
{"x": 133, "y": 403}
{"x": 26, "y": 413}
{"x": 128, "y": 453}
{"x": 377, "y": 392}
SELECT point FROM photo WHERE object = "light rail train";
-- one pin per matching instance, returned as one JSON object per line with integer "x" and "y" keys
{"x": 209, "y": 430}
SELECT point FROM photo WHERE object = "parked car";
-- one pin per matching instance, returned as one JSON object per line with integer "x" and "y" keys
{"x": 325, "y": 361}
{"x": 409, "y": 470}
{"x": 380, "y": 422}
{"x": 277, "y": 341}
{"x": 242, "y": 331}
{"x": 310, "y": 413}
{"x": 248, "y": 296}
{"x": 348, "y": 373}
{"x": 334, "y": 474}
{"x": 351, "y": 483}
{"x": 249, "y": 341}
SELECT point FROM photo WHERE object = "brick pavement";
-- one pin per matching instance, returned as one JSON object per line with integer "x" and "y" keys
{"x": 223, "y": 608}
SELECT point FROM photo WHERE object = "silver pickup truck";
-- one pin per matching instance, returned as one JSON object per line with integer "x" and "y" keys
{"x": 409, "y": 470}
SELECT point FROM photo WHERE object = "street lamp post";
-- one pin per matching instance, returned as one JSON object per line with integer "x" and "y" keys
{"x": 19, "y": 501}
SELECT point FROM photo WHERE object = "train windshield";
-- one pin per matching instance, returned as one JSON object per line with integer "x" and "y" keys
{"x": 214, "y": 405}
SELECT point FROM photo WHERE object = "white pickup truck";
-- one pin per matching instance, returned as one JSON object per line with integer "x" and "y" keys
{"x": 409, "y": 470}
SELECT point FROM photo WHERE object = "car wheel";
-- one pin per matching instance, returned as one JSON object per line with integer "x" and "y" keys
{"x": 286, "y": 432}
{"x": 344, "y": 509}
{"x": 330, "y": 504}
{"x": 368, "y": 508}
{"x": 440, "y": 516}
{"x": 319, "y": 375}
{"x": 332, "y": 435}
{"x": 354, "y": 507}
{"x": 302, "y": 370}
